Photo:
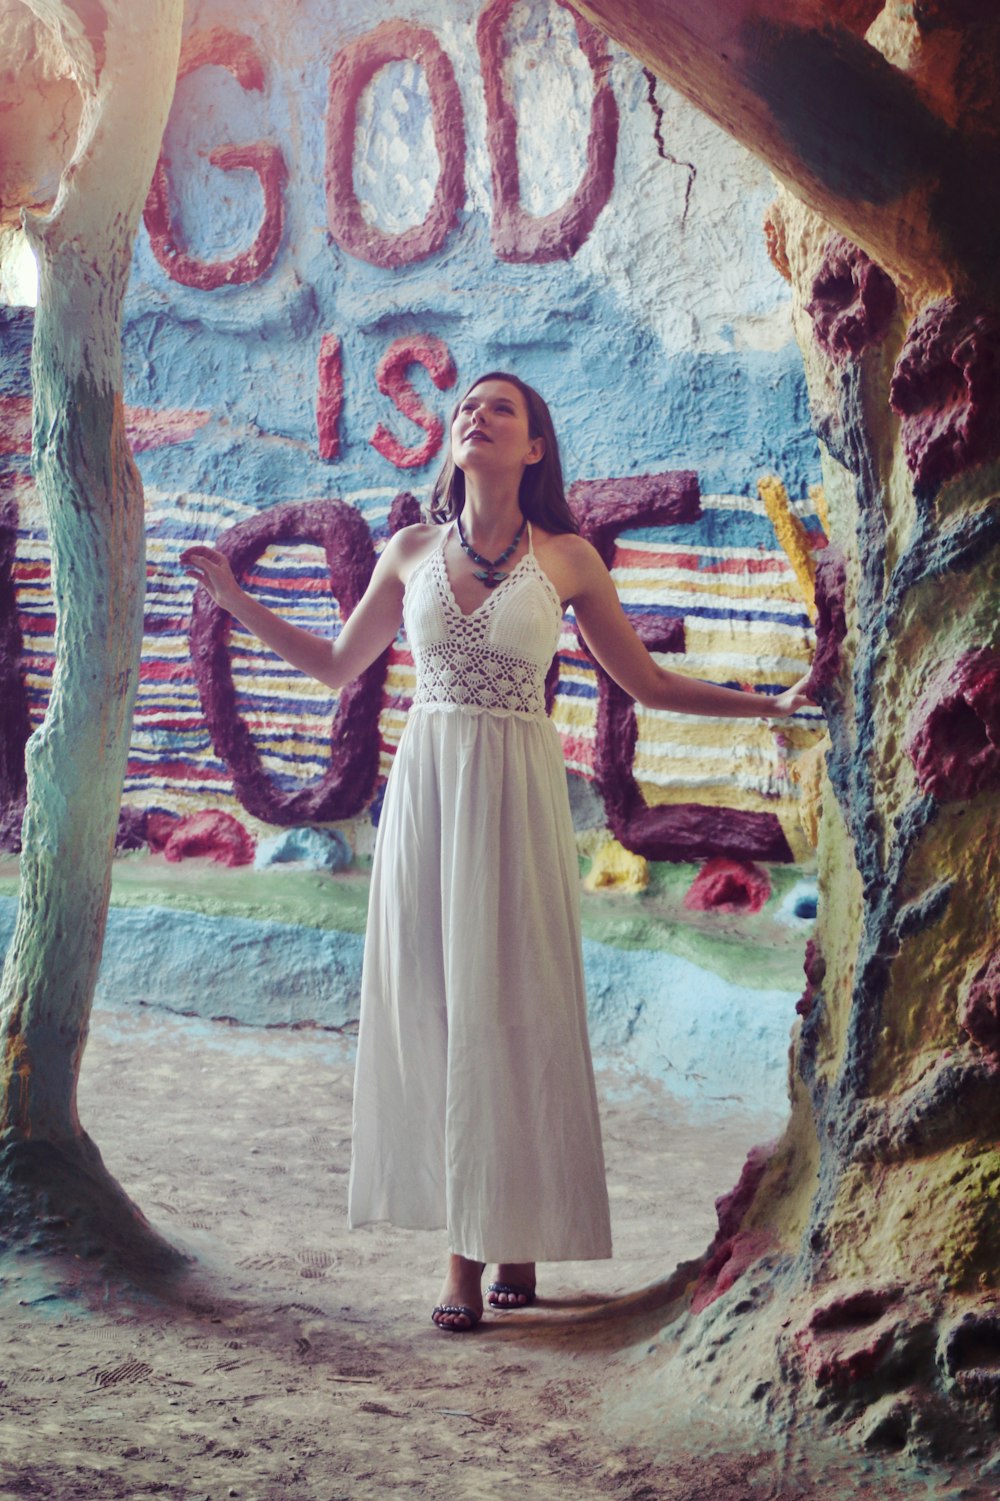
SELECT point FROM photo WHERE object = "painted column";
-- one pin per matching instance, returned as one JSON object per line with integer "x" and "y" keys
{"x": 124, "y": 67}
{"x": 867, "y": 1243}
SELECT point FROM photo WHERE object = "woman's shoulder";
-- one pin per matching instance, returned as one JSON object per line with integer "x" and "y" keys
{"x": 568, "y": 547}
{"x": 412, "y": 541}
{"x": 569, "y": 560}
{"x": 564, "y": 541}
{"x": 408, "y": 547}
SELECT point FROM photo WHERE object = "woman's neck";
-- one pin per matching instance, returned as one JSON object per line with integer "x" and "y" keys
{"x": 490, "y": 514}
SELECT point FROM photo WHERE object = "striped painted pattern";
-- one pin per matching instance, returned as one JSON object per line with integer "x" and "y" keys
{"x": 724, "y": 576}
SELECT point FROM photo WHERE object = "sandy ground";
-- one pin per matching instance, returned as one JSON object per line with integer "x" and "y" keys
{"x": 298, "y": 1362}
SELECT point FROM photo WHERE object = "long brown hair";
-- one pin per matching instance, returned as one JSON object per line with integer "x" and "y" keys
{"x": 542, "y": 497}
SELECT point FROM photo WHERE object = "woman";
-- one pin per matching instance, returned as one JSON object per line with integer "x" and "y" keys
{"x": 474, "y": 1104}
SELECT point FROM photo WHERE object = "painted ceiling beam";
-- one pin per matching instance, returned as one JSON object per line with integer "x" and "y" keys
{"x": 847, "y": 131}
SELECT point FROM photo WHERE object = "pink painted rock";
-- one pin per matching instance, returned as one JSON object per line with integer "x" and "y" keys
{"x": 849, "y": 1335}
{"x": 731, "y": 1207}
{"x": 727, "y": 1264}
{"x": 728, "y": 886}
{"x": 734, "y": 1250}
{"x": 210, "y": 833}
{"x": 853, "y": 300}
{"x": 159, "y": 827}
{"x": 148, "y": 428}
{"x": 831, "y": 619}
{"x": 979, "y": 1012}
{"x": 815, "y": 969}
{"x": 954, "y": 738}
{"x": 946, "y": 389}
{"x": 858, "y": 15}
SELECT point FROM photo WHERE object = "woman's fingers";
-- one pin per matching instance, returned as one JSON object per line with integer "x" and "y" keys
{"x": 206, "y": 562}
{"x": 800, "y": 693}
{"x": 198, "y": 556}
{"x": 211, "y": 569}
{"x": 793, "y": 698}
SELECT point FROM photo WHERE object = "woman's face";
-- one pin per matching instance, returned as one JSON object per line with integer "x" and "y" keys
{"x": 491, "y": 432}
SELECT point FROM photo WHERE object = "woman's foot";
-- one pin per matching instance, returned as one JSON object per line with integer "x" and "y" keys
{"x": 514, "y": 1286}
{"x": 461, "y": 1305}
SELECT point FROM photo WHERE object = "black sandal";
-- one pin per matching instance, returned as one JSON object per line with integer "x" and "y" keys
{"x": 460, "y": 1308}
{"x": 510, "y": 1289}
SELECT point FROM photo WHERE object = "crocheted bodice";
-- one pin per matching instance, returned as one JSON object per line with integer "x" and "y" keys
{"x": 492, "y": 660}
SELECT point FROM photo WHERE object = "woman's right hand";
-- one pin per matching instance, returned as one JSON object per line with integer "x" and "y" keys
{"x": 211, "y": 568}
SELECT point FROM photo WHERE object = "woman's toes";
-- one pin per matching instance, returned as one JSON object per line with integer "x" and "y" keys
{"x": 455, "y": 1318}
{"x": 514, "y": 1286}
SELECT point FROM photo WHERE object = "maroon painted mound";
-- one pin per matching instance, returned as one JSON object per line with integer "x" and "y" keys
{"x": 728, "y": 886}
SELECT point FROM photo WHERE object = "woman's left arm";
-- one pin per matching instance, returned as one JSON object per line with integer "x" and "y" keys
{"x": 615, "y": 645}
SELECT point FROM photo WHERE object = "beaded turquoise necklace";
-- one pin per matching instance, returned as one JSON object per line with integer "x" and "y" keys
{"x": 492, "y": 573}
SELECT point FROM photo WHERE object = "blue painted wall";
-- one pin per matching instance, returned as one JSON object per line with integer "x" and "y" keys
{"x": 644, "y": 341}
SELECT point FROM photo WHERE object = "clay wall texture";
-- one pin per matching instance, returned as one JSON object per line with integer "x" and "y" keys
{"x": 354, "y": 215}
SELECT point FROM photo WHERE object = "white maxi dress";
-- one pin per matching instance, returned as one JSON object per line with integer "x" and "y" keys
{"x": 474, "y": 1102}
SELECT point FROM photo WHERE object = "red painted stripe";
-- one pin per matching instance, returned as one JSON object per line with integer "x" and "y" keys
{"x": 146, "y": 427}
{"x": 149, "y": 427}
{"x": 166, "y": 625}
{"x": 627, "y": 557}
{"x": 176, "y": 771}
{"x": 319, "y": 584}
{"x": 148, "y": 723}
{"x": 163, "y": 671}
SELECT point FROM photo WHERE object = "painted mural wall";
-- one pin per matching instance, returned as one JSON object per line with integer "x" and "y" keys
{"x": 357, "y": 211}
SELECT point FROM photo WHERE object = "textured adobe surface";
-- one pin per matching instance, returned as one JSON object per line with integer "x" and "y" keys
{"x": 946, "y": 389}
{"x": 344, "y": 228}
{"x": 852, "y": 300}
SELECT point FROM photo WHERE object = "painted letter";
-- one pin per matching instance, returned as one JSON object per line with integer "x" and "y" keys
{"x": 238, "y": 54}
{"x": 414, "y": 349}
{"x": 679, "y": 831}
{"x": 517, "y": 235}
{"x": 353, "y": 69}
{"x": 330, "y": 396}
{"x": 344, "y": 788}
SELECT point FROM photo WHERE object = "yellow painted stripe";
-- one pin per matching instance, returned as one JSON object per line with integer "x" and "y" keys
{"x": 576, "y": 714}
{"x": 638, "y": 584}
{"x": 749, "y": 637}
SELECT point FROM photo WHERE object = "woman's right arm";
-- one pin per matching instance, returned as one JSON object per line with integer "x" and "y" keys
{"x": 371, "y": 628}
